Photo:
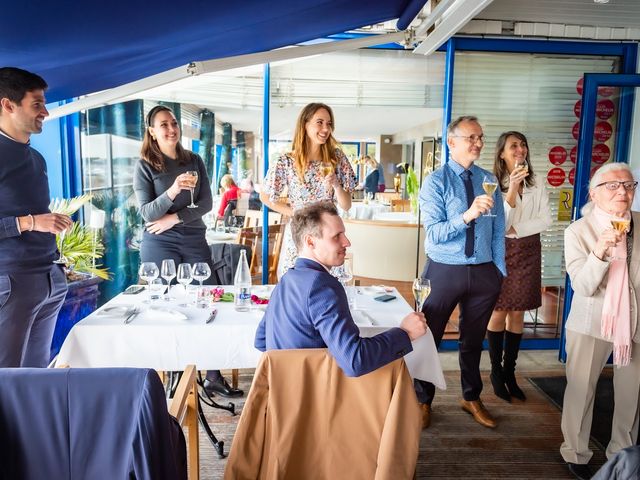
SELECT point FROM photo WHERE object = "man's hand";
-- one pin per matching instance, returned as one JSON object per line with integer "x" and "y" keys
{"x": 163, "y": 224}
{"x": 414, "y": 324}
{"x": 46, "y": 222}
{"x": 481, "y": 204}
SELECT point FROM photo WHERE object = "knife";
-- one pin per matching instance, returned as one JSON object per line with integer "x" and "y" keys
{"x": 132, "y": 315}
{"x": 212, "y": 316}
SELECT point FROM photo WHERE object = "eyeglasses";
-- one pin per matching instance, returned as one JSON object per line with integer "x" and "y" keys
{"x": 473, "y": 139}
{"x": 613, "y": 186}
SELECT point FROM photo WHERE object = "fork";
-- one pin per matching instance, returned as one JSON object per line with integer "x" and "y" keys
{"x": 132, "y": 315}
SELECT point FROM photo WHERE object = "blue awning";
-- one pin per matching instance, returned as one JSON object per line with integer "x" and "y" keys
{"x": 84, "y": 47}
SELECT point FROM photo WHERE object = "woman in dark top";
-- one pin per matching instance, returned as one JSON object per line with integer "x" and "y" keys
{"x": 162, "y": 187}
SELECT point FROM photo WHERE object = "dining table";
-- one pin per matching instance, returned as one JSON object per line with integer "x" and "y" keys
{"x": 166, "y": 335}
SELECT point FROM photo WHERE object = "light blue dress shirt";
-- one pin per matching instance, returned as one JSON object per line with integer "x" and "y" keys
{"x": 443, "y": 201}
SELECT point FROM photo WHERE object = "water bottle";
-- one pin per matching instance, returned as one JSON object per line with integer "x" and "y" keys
{"x": 242, "y": 284}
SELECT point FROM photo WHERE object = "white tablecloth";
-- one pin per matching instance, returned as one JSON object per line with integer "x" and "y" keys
{"x": 170, "y": 340}
{"x": 362, "y": 211}
{"x": 405, "y": 217}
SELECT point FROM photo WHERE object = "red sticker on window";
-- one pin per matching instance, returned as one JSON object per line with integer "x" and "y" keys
{"x": 600, "y": 153}
{"x": 602, "y": 132}
{"x": 557, "y": 155}
{"x": 575, "y": 130}
{"x": 556, "y": 177}
{"x": 573, "y": 154}
{"x": 572, "y": 175}
{"x": 604, "y": 109}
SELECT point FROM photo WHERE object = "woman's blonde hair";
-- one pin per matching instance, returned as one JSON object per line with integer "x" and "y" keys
{"x": 300, "y": 149}
{"x": 227, "y": 181}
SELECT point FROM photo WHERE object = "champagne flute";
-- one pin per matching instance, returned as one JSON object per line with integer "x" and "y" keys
{"x": 327, "y": 169}
{"x": 489, "y": 185}
{"x": 61, "y": 258}
{"x": 200, "y": 272}
{"x": 184, "y": 278}
{"x": 193, "y": 173}
{"x": 148, "y": 272}
{"x": 168, "y": 272}
{"x": 421, "y": 290}
{"x": 621, "y": 225}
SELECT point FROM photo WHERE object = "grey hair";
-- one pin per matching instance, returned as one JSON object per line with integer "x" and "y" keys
{"x": 453, "y": 125}
{"x": 597, "y": 180}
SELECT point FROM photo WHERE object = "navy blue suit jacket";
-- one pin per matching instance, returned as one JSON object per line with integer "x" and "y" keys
{"x": 309, "y": 309}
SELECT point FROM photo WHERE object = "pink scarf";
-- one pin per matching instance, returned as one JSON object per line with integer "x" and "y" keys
{"x": 616, "y": 310}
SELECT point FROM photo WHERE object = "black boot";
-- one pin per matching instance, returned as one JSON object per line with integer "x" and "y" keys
{"x": 511, "y": 349}
{"x": 495, "y": 340}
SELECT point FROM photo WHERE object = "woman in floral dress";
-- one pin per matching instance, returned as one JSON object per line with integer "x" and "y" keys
{"x": 315, "y": 170}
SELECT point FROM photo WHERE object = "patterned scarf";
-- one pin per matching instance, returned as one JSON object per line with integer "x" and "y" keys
{"x": 616, "y": 311}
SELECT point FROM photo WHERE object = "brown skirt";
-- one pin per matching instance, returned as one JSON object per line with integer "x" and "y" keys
{"x": 521, "y": 287}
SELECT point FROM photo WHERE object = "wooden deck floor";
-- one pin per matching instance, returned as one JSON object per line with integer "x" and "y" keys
{"x": 523, "y": 446}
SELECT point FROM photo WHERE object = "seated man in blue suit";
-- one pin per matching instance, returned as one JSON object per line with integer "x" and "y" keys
{"x": 309, "y": 307}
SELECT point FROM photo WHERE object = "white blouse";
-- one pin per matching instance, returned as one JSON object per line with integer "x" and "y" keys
{"x": 531, "y": 214}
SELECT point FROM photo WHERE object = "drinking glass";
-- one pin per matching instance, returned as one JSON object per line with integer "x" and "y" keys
{"x": 168, "y": 272}
{"x": 622, "y": 225}
{"x": 184, "y": 278}
{"x": 61, "y": 258}
{"x": 148, "y": 272}
{"x": 421, "y": 290}
{"x": 156, "y": 289}
{"x": 193, "y": 173}
{"x": 489, "y": 185}
{"x": 200, "y": 272}
{"x": 327, "y": 169}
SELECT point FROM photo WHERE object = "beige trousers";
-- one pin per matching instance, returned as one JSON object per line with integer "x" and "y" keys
{"x": 586, "y": 357}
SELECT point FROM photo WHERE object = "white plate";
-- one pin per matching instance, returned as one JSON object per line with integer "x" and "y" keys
{"x": 163, "y": 312}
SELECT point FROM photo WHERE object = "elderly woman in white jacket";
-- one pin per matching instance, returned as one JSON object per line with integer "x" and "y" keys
{"x": 605, "y": 276}
{"x": 527, "y": 213}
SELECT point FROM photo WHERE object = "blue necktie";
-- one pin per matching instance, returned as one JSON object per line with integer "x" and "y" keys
{"x": 468, "y": 187}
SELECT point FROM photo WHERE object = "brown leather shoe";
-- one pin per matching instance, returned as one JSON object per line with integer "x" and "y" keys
{"x": 426, "y": 415}
{"x": 480, "y": 414}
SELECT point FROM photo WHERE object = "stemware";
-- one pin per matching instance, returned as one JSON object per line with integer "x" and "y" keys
{"x": 168, "y": 272}
{"x": 621, "y": 225}
{"x": 61, "y": 258}
{"x": 421, "y": 290}
{"x": 327, "y": 169}
{"x": 200, "y": 272}
{"x": 185, "y": 277}
{"x": 489, "y": 185}
{"x": 148, "y": 272}
{"x": 193, "y": 173}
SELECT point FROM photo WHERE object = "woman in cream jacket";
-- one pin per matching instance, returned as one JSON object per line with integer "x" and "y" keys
{"x": 605, "y": 276}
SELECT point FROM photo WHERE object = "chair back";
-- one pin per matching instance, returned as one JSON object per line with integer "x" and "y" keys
{"x": 225, "y": 258}
{"x": 357, "y": 428}
{"x": 253, "y": 218}
{"x": 399, "y": 205}
{"x": 252, "y": 237}
{"x": 242, "y": 204}
{"x": 95, "y": 423}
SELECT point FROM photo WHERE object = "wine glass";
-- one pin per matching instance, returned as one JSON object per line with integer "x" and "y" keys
{"x": 327, "y": 169}
{"x": 200, "y": 272}
{"x": 193, "y": 173}
{"x": 489, "y": 185}
{"x": 148, "y": 272}
{"x": 621, "y": 225}
{"x": 168, "y": 272}
{"x": 184, "y": 278}
{"x": 421, "y": 290}
{"x": 61, "y": 258}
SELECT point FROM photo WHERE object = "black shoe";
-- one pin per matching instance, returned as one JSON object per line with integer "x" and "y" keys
{"x": 499, "y": 388}
{"x": 222, "y": 388}
{"x": 580, "y": 470}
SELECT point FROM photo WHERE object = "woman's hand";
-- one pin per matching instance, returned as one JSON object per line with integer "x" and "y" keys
{"x": 609, "y": 238}
{"x": 331, "y": 180}
{"x": 166, "y": 222}
{"x": 516, "y": 177}
{"x": 182, "y": 182}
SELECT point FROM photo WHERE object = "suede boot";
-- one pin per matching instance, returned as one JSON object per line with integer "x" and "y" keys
{"x": 511, "y": 349}
{"x": 495, "y": 341}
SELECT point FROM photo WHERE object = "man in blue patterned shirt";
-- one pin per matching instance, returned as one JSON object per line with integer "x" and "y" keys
{"x": 465, "y": 248}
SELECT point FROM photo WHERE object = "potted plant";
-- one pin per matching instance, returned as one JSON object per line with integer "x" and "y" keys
{"x": 81, "y": 246}
{"x": 413, "y": 189}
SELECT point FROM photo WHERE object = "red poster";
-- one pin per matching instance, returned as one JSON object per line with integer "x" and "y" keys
{"x": 600, "y": 153}
{"x": 606, "y": 91}
{"x": 604, "y": 109}
{"x": 594, "y": 170}
{"x": 557, "y": 155}
{"x": 556, "y": 177}
{"x": 575, "y": 130}
{"x": 579, "y": 85}
{"x": 573, "y": 154}
{"x": 572, "y": 175}
{"x": 577, "y": 108}
{"x": 602, "y": 132}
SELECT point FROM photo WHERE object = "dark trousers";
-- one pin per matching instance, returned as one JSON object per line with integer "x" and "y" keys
{"x": 29, "y": 306}
{"x": 182, "y": 244}
{"x": 475, "y": 288}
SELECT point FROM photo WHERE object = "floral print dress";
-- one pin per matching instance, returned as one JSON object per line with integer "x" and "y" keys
{"x": 282, "y": 175}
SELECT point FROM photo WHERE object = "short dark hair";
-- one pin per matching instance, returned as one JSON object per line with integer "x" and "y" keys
{"x": 453, "y": 126}
{"x": 308, "y": 221}
{"x": 15, "y": 83}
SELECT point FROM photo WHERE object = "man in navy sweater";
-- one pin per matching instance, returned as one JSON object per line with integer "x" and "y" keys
{"x": 32, "y": 287}
{"x": 309, "y": 307}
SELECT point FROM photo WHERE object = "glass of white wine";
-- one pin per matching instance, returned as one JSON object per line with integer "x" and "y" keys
{"x": 622, "y": 225}
{"x": 193, "y": 173}
{"x": 489, "y": 185}
{"x": 327, "y": 169}
{"x": 421, "y": 290}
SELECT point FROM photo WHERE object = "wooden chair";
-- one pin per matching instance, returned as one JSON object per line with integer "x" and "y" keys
{"x": 252, "y": 237}
{"x": 399, "y": 205}
{"x": 184, "y": 408}
{"x": 253, "y": 218}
